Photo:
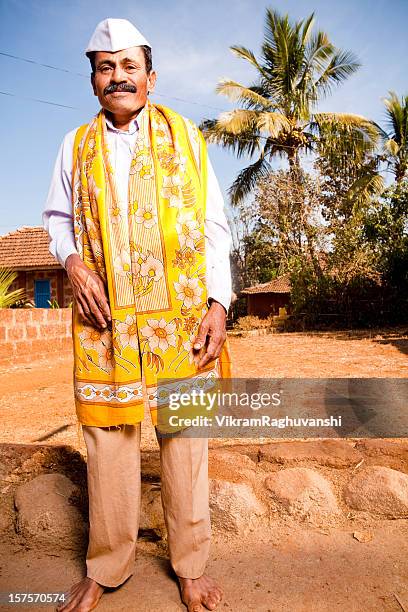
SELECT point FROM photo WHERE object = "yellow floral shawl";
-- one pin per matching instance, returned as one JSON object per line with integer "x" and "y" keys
{"x": 150, "y": 253}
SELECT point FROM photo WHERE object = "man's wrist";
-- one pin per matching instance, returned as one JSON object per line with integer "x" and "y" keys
{"x": 70, "y": 260}
{"x": 212, "y": 301}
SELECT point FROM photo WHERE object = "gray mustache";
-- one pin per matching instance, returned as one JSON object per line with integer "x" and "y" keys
{"x": 119, "y": 87}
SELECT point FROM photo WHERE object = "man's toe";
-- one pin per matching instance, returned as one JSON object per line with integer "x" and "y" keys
{"x": 211, "y": 602}
{"x": 195, "y": 606}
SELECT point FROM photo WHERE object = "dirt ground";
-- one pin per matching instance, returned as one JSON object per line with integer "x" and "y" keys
{"x": 290, "y": 566}
{"x": 36, "y": 401}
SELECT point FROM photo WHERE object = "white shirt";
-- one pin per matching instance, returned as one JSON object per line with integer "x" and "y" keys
{"x": 58, "y": 220}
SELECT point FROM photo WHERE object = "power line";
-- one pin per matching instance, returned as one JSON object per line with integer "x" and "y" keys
{"x": 30, "y": 61}
{"x": 86, "y": 76}
{"x": 65, "y": 70}
{"x": 7, "y": 93}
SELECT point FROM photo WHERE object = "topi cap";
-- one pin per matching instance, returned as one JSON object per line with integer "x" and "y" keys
{"x": 114, "y": 35}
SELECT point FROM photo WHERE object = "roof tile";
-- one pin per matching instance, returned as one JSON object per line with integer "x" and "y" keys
{"x": 26, "y": 247}
{"x": 281, "y": 284}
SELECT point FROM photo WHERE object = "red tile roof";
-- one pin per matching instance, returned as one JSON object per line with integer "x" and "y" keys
{"x": 281, "y": 284}
{"x": 26, "y": 247}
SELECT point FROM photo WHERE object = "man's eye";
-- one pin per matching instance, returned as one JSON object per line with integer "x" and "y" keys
{"x": 105, "y": 69}
{"x": 130, "y": 67}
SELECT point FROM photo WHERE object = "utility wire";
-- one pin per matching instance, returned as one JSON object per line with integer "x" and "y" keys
{"x": 86, "y": 76}
{"x": 49, "y": 66}
{"x": 6, "y": 93}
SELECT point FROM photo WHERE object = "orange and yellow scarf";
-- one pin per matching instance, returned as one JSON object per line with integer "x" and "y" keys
{"x": 150, "y": 253}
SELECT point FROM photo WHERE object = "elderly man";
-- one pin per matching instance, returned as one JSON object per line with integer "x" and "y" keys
{"x": 135, "y": 215}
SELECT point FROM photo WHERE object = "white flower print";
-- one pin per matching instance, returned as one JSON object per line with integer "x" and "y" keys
{"x": 188, "y": 291}
{"x": 159, "y": 334}
{"x": 151, "y": 268}
{"x": 137, "y": 257}
{"x": 188, "y": 230}
{"x": 127, "y": 331}
{"x": 106, "y": 359}
{"x": 115, "y": 215}
{"x": 142, "y": 164}
{"x": 146, "y": 215}
{"x": 171, "y": 190}
{"x": 122, "y": 263}
{"x": 94, "y": 339}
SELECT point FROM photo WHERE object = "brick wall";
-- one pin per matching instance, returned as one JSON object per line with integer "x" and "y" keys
{"x": 27, "y": 334}
{"x": 61, "y": 289}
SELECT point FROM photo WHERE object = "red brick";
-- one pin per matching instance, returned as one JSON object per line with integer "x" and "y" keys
{"x": 7, "y": 316}
{"x": 32, "y": 331}
{"x": 7, "y": 350}
{"x": 40, "y": 346}
{"x": 66, "y": 344}
{"x": 16, "y": 333}
{"x": 37, "y": 314}
{"x": 55, "y": 330}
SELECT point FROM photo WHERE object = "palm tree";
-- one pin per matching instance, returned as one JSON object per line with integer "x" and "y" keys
{"x": 397, "y": 143}
{"x": 278, "y": 119}
{"x": 7, "y": 298}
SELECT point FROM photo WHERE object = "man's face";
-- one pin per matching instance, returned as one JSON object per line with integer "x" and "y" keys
{"x": 120, "y": 80}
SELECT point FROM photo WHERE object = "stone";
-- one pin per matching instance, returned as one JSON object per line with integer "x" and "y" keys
{"x": 45, "y": 515}
{"x": 330, "y": 453}
{"x": 151, "y": 510}
{"x": 230, "y": 465}
{"x": 379, "y": 490}
{"x": 303, "y": 493}
{"x": 233, "y": 506}
{"x": 378, "y": 446}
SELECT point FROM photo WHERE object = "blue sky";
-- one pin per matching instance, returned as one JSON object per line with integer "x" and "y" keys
{"x": 191, "y": 53}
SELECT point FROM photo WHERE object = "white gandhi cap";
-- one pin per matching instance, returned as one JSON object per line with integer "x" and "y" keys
{"x": 114, "y": 35}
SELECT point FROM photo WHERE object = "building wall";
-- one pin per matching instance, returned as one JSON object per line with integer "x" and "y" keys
{"x": 265, "y": 304}
{"x": 27, "y": 334}
{"x": 60, "y": 286}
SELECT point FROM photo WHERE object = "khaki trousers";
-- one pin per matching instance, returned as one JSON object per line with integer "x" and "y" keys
{"x": 114, "y": 490}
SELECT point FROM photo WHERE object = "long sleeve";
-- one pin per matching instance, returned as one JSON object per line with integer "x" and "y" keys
{"x": 57, "y": 215}
{"x": 58, "y": 222}
{"x": 218, "y": 243}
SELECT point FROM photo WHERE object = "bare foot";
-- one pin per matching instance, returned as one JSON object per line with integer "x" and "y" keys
{"x": 197, "y": 591}
{"x": 83, "y": 596}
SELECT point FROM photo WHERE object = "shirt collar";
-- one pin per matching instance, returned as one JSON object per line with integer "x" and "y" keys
{"x": 133, "y": 127}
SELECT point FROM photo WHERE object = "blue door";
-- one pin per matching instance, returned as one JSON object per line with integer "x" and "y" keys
{"x": 42, "y": 293}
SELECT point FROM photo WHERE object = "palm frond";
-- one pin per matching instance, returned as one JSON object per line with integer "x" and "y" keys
{"x": 367, "y": 186}
{"x": 248, "y": 55}
{"x": 362, "y": 131}
{"x": 392, "y": 147}
{"x": 341, "y": 65}
{"x": 8, "y": 298}
{"x": 307, "y": 29}
{"x": 244, "y": 144}
{"x": 238, "y": 121}
{"x": 273, "y": 123}
{"x": 397, "y": 117}
{"x": 247, "y": 180}
{"x": 239, "y": 93}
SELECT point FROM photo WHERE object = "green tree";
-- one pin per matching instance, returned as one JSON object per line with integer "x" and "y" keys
{"x": 9, "y": 298}
{"x": 397, "y": 143}
{"x": 278, "y": 118}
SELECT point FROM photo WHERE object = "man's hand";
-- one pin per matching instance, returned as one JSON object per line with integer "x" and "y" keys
{"x": 211, "y": 334}
{"x": 89, "y": 293}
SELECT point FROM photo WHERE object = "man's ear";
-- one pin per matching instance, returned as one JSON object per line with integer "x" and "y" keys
{"x": 151, "y": 81}
{"x": 93, "y": 83}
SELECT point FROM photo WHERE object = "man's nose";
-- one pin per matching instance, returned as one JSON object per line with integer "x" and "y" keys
{"x": 118, "y": 75}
